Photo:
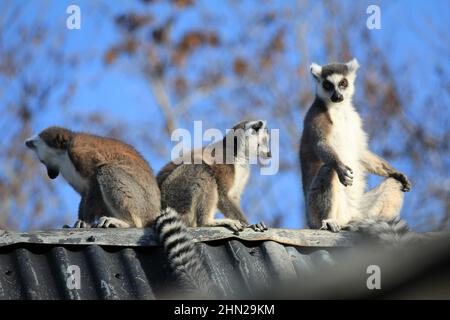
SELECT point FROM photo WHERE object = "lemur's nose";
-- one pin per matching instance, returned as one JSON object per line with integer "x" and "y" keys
{"x": 337, "y": 97}
{"x": 30, "y": 144}
{"x": 269, "y": 154}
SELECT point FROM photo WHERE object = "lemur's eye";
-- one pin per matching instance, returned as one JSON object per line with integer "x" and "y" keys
{"x": 343, "y": 83}
{"x": 327, "y": 85}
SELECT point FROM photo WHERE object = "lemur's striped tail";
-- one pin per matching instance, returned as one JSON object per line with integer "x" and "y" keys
{"x": 185, "y": 260}
{"x": 393, "y": 231}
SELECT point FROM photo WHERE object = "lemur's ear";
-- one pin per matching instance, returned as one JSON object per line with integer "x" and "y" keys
{"x": 352, "y": 65}
{"x": 255, "y": 125}
{"x": 316, "y": 70}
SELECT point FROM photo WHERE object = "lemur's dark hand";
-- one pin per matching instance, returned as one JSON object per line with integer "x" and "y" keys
{"x": 81, "y": 224}
{"x": 345, "y": 174}
{"x": 406, "y": 185}
{"x": 258, "y": 227}
{"x": 235, "y": 225}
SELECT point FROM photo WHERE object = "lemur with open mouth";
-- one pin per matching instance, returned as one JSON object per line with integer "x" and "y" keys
{"x": 116, "y": 184}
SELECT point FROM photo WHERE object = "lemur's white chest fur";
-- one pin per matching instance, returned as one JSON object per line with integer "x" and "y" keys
{"x": 347, "y": 136}
{"x": 349, "y": 140}
{"x": 70, "y": 174}
{"x": 241, "y": 175}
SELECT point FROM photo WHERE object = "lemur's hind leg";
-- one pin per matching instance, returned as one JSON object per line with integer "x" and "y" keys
{"x": 91, "y": 206}
{"x": 383, "y": 201}
{"x": 124, "y": 198}
{"x": 322, "y": 201}
{"x": 82, "y": 215}
{"x": 207, "y": 203}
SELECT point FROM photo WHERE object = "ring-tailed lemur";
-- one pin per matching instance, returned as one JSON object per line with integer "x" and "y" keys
{"x": 196, "y": 191}
{"x": 335, "y": 160}
{"x": 118, "y": 189}
{"x": 116, "y": 184}
{"x": 191, "y": 194}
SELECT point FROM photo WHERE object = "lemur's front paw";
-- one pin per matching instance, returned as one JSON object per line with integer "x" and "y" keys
{"x": 237, "y": 226}
{"x": 108, "y": 222}
{"x": 258, "y": 227}
{"x": 330, "y": 224}
{"x": 81, "y": 224}
{"x": 345, "y": 174}
{"x": 406, "y": 185}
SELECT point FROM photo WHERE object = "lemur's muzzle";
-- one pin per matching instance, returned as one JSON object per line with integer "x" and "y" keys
{"x": 337, "y": 97}
{"x": 265, "y": 158}
{"x": 265, "y": 154}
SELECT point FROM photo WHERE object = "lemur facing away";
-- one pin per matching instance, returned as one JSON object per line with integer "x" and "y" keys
{"x": 196, "y": 191}
{"x": 335, "y": 158}
{"x": 116, "y": 184}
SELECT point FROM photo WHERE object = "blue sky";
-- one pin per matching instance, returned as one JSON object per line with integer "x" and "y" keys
{"x": 120, "y": 92}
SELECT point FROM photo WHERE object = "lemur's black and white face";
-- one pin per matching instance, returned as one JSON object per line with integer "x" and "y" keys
{"x": 258, "y": 138}
{"x": 335, "y": 82}
{"x": 252, "y": 139}
{"x": 50, "y": 146}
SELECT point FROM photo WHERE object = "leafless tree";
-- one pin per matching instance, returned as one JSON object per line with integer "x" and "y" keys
{"x": 221, "y": 65}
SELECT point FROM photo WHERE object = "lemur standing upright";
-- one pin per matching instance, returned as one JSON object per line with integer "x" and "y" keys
{"x": 116, "y": 184}
{"x": 335, "y": 158}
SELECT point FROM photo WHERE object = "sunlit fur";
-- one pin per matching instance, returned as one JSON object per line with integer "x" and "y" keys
{"x": 335, "y": 158}
{"x": 116, "y": 184}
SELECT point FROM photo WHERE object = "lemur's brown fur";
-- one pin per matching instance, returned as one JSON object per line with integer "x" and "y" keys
{"x": 116, "y": 184}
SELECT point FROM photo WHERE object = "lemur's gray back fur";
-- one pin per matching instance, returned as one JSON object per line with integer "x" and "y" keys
{"x": 185, "y": 260}
{"x": 191, "y": 194}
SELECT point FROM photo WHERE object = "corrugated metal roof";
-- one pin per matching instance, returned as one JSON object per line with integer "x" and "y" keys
{"x": 128, "y": 264}
{"x": 32, "y": 271}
